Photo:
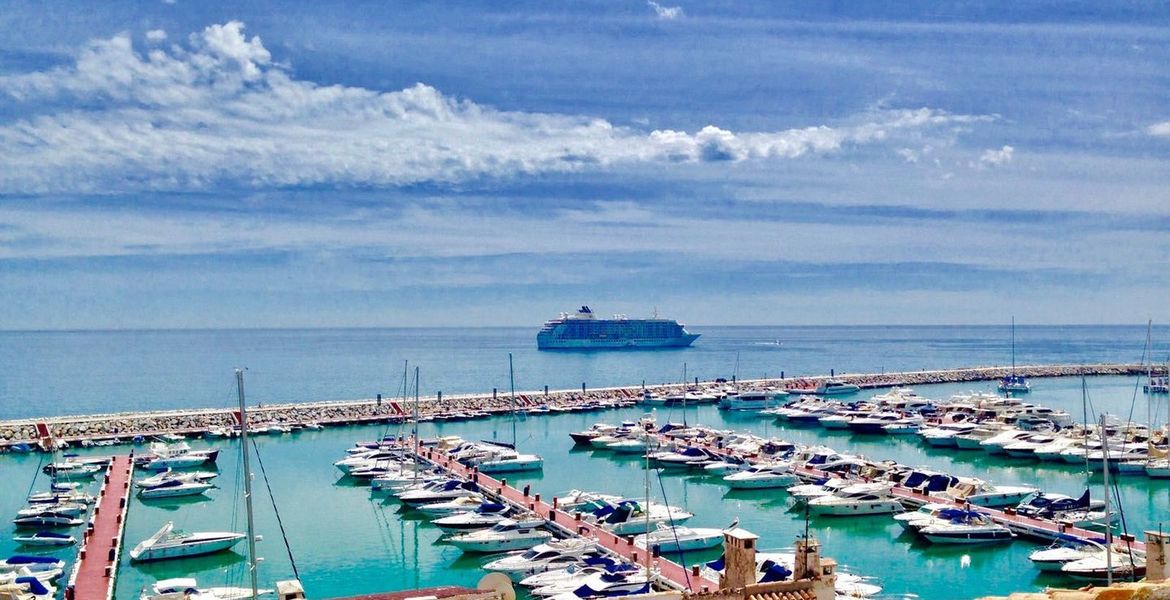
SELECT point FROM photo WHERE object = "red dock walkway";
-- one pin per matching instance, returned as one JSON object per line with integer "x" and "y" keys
{"x": 96, "y": 568}
{"x": 676, "y": 574}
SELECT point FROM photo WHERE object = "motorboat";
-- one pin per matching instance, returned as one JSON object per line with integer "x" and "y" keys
{"x": 458, "y": 505}
{"x": 807, "y": 491}
{"x": 548, "y": 556}
{"x": 483, "y": 517}
{"x": 45, "y": 538}
{"x": 439, "y": 491}
{"x": 596, "y": 430}
{"x": 71, "y": 509}
{"x": 874, "y": 422}
{"x": 37, "y": 566}
{"x": 726, "y": 465}
{"x": 749, "y": 400}
{"x": 187, "y": 588}
{"x": 173, "y": 489}
{"x": 70, "y": 470}
{"x": 170, "y": 475}
{"x": 927, "y": 514}
{"x": 1065, "y": 550}
{"x": 635, "y": 445}
{"x": 858, "y": 499}
{"x": 600, "y": 585}
{"x": 629, "y": 517}
{"x": 167, "y": 543}
{"x": 762, "y": 476}
{"x": 904, "y": 426}
{"x": 178, "y": 456}
{"x": 1058, "y": 507}
{"x": 972, "y": 440}
{"x": 943, "y": 436}
{"x": 1014, "y": 384}
{"x": 510, "y": 461}
{"x": 25, "y": 587}
{"x": 62, "y": 492}
{"x": 576, "y": 572}
{"x": 47, "y": 518}
{"x": 965, "y": 527}
{"x": 682, "y": 458}
{"x": 503, "y": 536}
{"x": 997, "y": 443}
{"x": 836, "y": 387}
{"x": 680, "y": 539}
{"x": 1117, "y": 563}
{"x": 982, "y": 493}
{"x": 838, "y": 420}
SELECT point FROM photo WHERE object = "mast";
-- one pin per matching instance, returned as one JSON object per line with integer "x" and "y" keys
{"x": 1013, "y": 344}
{"x": 684, "y": 393}
{"x": 247, "y": 483}
{"x": 1108, "y": 520}
{"x": 646, "y": 511}
{"x": 415, "y": 432}
{"x": 512, "y": 383}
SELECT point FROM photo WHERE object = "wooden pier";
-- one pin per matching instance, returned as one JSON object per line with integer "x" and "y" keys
{"x": 96, "y": 570}
{"x": 665, "y": 571}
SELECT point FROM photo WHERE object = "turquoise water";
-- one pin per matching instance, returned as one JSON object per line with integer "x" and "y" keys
{"x": 87, "y": 372}
{"x": 347, "y": 543}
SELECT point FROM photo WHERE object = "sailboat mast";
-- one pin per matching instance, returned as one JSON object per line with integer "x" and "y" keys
{"x": 414, "y": 433}
{"x": 646, "y": 511}
{"x": 512, "y": 385}
{"x": 247, "y": 482}
{"x": 1013, "y": 345}
{"x": 1108, "y": 519}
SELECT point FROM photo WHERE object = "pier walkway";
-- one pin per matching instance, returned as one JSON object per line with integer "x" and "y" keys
{"x": 96, "y": 569}
{"x": 668, "y": 572}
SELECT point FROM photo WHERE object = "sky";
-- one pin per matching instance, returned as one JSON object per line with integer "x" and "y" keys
{"x": 183, "y": 164}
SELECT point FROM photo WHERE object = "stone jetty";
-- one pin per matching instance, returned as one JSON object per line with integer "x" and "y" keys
{"x": 124, "y": 426}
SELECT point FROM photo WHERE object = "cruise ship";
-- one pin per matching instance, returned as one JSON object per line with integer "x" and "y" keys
{"x": 584, "y": 331}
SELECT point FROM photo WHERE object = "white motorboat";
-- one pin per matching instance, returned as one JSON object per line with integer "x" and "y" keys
{"x": 680, "y": 539}
{"x": 682, "y": 458}
{"x": 762, "y": 476}
{"x": 958, "y": 526}
{"x": 503, "y": 536}
{"x": 71, "y": 509}
{"x": 548, "y": 556}
{"x": 997, "y": 443}
{"x": 943, "y": 436}
{"x": 629, "y": 517}
{"x": 438, "y": 491}
{"x": 171, "y": 475}
{"x": 45, "y": 538}
{"x": 187, "y": 588}
{"x": 25, "y": 587}
{"x": 510, "y": 462}
{"x": 1120, "y": 564}
{"x": 37, "y": 566}
{"x": 1066, "y": 550}
{"x": 485, "y": 516}
{"x": 858, "y": 499}
{"x": 925, "y": 515}
{"x": 836, "y": 387}
{"x": 596, "y": 430}
{"x": 982, "y": 493}
{"x": 636, "y": 445}
{"x": 178, "y": 456}
{"x": 807, "y": 491}
{"x": 173, "y": 489}
{"x": 69, "y": 470}
{"x": 565, "y": 576}
{"x": 753, "y": 400}
{"x": 599, "y": 585}
{"x": 458, "y": 505}
{"x": 1079, "y": 512}
{"x": 904, "y": 426}
{"x": 728, "y": 465}
{"x": 47, "y": 518}
{"x": 167, "y": 543}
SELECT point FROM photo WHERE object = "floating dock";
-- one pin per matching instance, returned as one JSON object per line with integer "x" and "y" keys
{"x": 666, "y": 572}
{"x": 96, "y": 570}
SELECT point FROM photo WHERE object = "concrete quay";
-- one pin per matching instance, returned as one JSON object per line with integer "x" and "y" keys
{"x": 128, "y": 425}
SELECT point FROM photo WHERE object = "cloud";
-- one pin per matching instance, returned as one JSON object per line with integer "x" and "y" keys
{"x": 218, "y": 111}
{"x": 666, "y": 13}
{"x": 995, "y": 158}
{"x": 156, "y": 35}
{"x": 1159, "y": 129}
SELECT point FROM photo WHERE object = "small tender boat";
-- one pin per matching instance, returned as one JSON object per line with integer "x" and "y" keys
{"x": 71, "y": 509}
{"x": 966, "y": 527}
{"x": 167, "y": 543}
{"x": 680, "y": 539}
{"x": 33, "y": 565}
{"x": 503, "y": 536}
{"x": 187, "y": 588}
{"x": 174, "y": 488}
{"x": 762, "y": 476}
{"x": 45, "y": 538}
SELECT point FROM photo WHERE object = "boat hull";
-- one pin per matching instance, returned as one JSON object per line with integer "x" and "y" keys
{"x": 167, "y": 552}
{"x": 874, "y": 507}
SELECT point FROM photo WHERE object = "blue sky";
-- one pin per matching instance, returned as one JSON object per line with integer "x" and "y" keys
{"x": 258, "y": 164}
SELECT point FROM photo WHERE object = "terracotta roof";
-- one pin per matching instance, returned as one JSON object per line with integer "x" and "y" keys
{"x": 789, "y": 595}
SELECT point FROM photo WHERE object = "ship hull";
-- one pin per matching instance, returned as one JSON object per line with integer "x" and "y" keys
{"x": 616, "y": 344}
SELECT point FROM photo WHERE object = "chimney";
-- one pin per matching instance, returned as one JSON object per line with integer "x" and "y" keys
{"x": 739, "y": 558}
{"x": 809, "y": 566}
{"x": 1156, "y": 555}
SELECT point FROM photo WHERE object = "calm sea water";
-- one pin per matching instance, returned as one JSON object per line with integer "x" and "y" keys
{"x": 346, "y": 542}
{"x": 85, "y": 372}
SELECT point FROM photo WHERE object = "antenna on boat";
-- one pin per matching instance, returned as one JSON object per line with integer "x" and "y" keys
{"x": 247, "y": 482}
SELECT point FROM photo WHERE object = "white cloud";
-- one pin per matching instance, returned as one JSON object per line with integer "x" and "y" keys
{"x": 1159, "y": 129}
{"x": 995, "y": 158}
{"x": 219, "y": 110}
{"x": 667, "y": 13}
{"x": 156, "y": 35}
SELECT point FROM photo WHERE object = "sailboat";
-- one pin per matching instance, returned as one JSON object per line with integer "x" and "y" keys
{"x": 187, "y": 587}
{"x": 507, "y": 459}
{"x": 1014, "y": 383}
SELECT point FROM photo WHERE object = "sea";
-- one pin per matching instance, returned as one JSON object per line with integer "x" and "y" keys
{"x": 342, "y": 540}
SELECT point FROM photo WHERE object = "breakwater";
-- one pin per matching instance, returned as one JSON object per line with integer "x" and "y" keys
{"x": 124, "y": 426}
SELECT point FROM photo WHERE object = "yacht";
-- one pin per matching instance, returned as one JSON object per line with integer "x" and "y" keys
{"x": 68, "y": 470}
{"x": 438, "y": 491}
{"x": 1065, "y": 550}
{"x": 682, "y": 458}
{"x": 808, "y": 491}
{"x": 483, "y": 517}
{"x": 167, "y": 543}
{"x": 45, "y": 538}
{"x": 943, "y": 436}
{"x": 874, "y": 422}
{"x": 548, "y": 556}
{"x": 905, "y": 426}
{"x": 727, "y": 465}
{"x": 858, "y": 499}
{"x": 996, "y": 443}
{"x": 509, "y": 461}
{"x": 47, "y": 518}
{"x": 927, "y": 514}
{"x": 583, "y": 330}
{"x": 761, "y": 476}
{"x": 982, "y": 493}
{"x": 596, "y": 430}
{"x": 450, "y": 507}
{"x": 1120, "y": 564}
{"x": 177, "y": 456}
{"x": 680, "y": 539}
{"x": 567, "y": 575}
{"x": 174, "y": 488}
{"x": 503, "y": 536}
{"x": 753, "y": 400}
{"x": 166, "y": 476}
{"x": 836, "y": 387}
{"x": 24, "y": 587}
{"x": 599, "y": 585}
{"x": 187, "y": 588}
{"x": 1078, "y": 511}
{"x": 629, "y": 517}
{"x": 71, "y": 509}
{"x": 37, "y": 566}
{"x": 636, "y": 445}
{"x": 966, "y": 527}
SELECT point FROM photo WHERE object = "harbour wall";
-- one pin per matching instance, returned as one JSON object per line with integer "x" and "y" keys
{"x": 345, "y": 412}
